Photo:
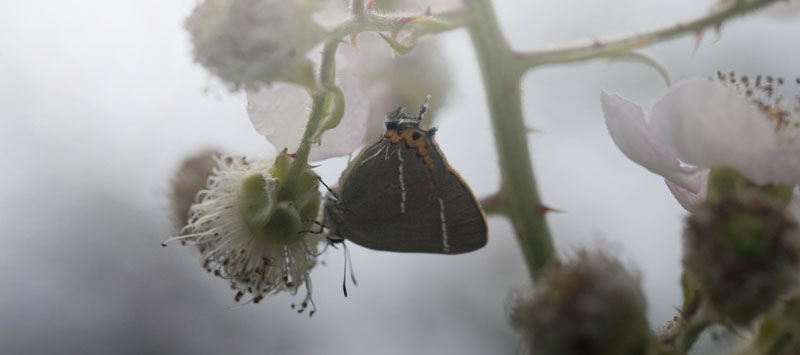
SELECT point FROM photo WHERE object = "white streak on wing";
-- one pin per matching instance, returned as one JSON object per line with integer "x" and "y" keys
{"x": 445, "y": 245}
{"x": 388, "y": 149}
{"x": 372, "y": 156}
{"x": 402, "y": 183}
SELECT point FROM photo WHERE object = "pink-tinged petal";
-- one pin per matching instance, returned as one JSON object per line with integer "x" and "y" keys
{"x": 280, "y": 113}
{"x": 712, "y": 125}
{"x": 635, "y": 138}
{"x": 690, "y": 200}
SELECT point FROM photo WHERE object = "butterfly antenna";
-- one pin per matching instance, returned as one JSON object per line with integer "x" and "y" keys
{"x": 327, "y": 187}
{"x": 424, "y": 107}
{"x": 344, "y": 275}
{"x": 352, "y": 273}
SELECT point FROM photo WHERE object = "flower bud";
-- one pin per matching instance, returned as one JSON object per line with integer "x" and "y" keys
{"x": 742, "y": 252}
{"x": 251, "y": 230}
{"x": 252, "y": 42}
{"x": 591, "y": 305}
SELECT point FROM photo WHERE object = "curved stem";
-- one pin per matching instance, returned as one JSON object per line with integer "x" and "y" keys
{"x": 320, "y": 102}
{"x": 501, "y": 81}
{"x": 528, "y": 60}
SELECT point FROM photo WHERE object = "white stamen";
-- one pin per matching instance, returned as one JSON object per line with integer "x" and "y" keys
{"x": 445, "y": 245}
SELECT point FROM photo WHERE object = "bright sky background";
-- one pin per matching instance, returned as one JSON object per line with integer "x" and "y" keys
{"x": 100, "y": 101}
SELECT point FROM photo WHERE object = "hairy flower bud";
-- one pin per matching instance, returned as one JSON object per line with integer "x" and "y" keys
{"x": 591, "y": 305}
{"x": 252, "y": 42}
{"x": 742, "y": 252}
{"x": 251, "y": 230}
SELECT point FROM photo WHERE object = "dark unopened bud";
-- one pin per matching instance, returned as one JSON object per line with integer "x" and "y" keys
{"x": 589, "y": 306}
{"x": 742, "y": 250}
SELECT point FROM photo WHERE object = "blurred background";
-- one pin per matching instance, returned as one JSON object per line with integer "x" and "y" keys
{"x": 100, "y": 102}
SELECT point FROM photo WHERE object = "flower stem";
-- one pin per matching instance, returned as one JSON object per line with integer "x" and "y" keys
{"x": 319, "y": 105}
{"x": 618, "y": 46}
{"x": 501, "y": 79}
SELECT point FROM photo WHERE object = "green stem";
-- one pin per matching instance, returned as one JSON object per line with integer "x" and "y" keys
{"x": 320, "y": 101}
{"x": 501, "y": 81}
{"x": 682, "y": 336}
{"x": 367, "y": 21}
{"x": 528, "y": 60}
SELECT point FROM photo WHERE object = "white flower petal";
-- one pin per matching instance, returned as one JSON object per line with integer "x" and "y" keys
{"x": 784, "y": 167}
{"x": 280, "y": 113}
{"x": 712, "y": 125}
{"x": 690, "y": 200}
{"x": 636, "y": 139}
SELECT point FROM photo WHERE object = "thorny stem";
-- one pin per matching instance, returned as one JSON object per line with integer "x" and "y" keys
{"x": 528, "y": 60}
{"x": 501, "y": 81}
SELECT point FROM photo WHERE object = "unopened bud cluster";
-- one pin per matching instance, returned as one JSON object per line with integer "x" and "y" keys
{"x": 743, "y": 252}
{"x": 253, "y": 42}
{"x": 591, "y": 305}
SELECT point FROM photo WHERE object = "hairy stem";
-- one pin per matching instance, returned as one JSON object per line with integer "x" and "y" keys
{"x": 501, "y": 81}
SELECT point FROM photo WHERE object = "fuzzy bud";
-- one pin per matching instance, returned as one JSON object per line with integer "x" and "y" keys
{"x": 252, "y": 42}
{"x": 742, "y": 252}
{"x": 591, "y": 305}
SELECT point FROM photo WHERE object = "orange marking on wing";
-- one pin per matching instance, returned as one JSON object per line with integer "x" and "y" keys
{"x": 420, "y": 144}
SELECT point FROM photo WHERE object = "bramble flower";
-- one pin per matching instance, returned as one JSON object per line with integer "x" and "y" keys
{"x": 591, "y": 305}
{"x": 252, "y": 42}
{"x": 249, "y": 229}
{"x": 744, "y": 252}
{"x": 699, "y": 128}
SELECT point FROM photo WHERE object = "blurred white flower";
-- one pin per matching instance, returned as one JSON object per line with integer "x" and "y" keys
{"x": 280, "y": 112}
{"x": 248, "y": 235}
{"x": 392, "y": 80}
{"x": 699, "y": 124}
{"x": 251, "y": 42}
